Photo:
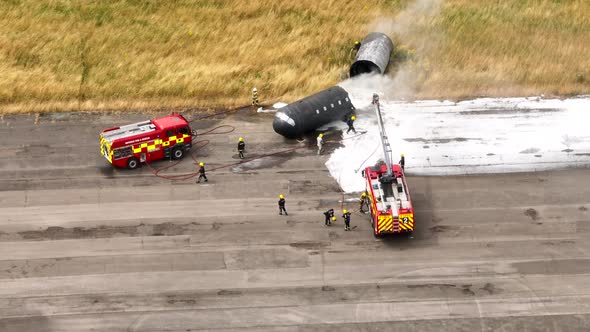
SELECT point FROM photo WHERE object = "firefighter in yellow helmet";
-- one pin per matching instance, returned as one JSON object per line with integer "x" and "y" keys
{"x": 320, "y": 140}
{"x": 282, "y": 205}
{"x": 202, "y": 173}
{"x": 350, "y": 123}
{"x": 402, "y": 161}
{"x": 241, "y": 147}
{"x": 355, "y": 48}
{"x": 363, "y": 201}
{"x": 254, "y": 97}
{"x": 328, "y": 215}
{"x": 346, "y": 216}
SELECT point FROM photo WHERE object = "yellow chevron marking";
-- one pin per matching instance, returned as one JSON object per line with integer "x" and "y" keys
{"x": 385, "y": 223}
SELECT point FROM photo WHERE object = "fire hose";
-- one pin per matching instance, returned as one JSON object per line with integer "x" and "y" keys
{"x": 202, "y": 143}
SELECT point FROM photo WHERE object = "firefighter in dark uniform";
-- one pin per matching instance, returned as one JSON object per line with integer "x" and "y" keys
{"x": 282, "y": 205}
{"x": 328, "y": 214}
{"x": 357, "y": 45}
{"x": 202, "y": 173}
{"x": 402, "y": 161}
{"x": 241, "y": 147}
{"x": 363, "y": 201}
{"x": 346, "y": 216}
{"x": 355, "y": 48}
{"x": 350, "y": 123}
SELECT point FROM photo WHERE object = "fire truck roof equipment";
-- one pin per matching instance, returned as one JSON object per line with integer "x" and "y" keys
{"x": 112, "y": 134}
{"x": 144, "y": 127}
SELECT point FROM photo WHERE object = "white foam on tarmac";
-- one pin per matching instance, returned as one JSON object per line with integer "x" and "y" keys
{"x": 261, "y": 110}
{"x": 486, "y": 135}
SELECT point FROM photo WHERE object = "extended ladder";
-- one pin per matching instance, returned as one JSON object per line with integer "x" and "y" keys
{"x": 387, "y": 153}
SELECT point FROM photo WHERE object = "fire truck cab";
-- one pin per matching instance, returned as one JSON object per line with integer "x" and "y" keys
{"x": 389, "y": 200}
{"x": 161, "y": 138}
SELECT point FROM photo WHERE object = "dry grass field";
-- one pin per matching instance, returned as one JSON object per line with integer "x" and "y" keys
{"x": 512, "y": 47}
{"x": 88, "y": 55}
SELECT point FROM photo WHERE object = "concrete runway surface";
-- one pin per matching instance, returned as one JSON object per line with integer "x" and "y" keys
{"x": 85, "y": 247}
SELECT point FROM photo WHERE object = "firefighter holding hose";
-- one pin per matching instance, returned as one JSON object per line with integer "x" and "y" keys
{"x": 350, "y": 123}
{"x": 328, "y": 216}
{"x": 346, "y": 216}
{"x": 363, "y": 201}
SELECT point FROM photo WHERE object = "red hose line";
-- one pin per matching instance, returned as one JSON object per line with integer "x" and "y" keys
{"x": 201, "y": 144}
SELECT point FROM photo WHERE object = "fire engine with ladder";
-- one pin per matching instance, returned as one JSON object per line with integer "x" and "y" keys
{"x": 168, "y": 137}
{"x": 389, "y": 198}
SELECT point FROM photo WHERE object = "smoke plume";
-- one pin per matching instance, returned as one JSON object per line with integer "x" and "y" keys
{"x": 414, "y": 30}
{"x": 411, "y": 23}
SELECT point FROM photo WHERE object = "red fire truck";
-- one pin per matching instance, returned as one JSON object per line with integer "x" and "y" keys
{"x": 389, "y": 198}
{"x": 130, "y": 145}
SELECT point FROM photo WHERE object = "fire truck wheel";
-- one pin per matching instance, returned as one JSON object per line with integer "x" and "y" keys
{"x": 132, "y": 163}
{"x": 177, "y": 153}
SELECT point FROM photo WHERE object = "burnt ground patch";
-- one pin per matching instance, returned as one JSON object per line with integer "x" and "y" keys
{"x": 532, "y": 213}
{"x": 142, "y": 229}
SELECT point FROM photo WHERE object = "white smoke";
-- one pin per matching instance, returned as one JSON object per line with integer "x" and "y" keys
{"x": 411, "y": 21}
{"x": 413, "y": 29}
